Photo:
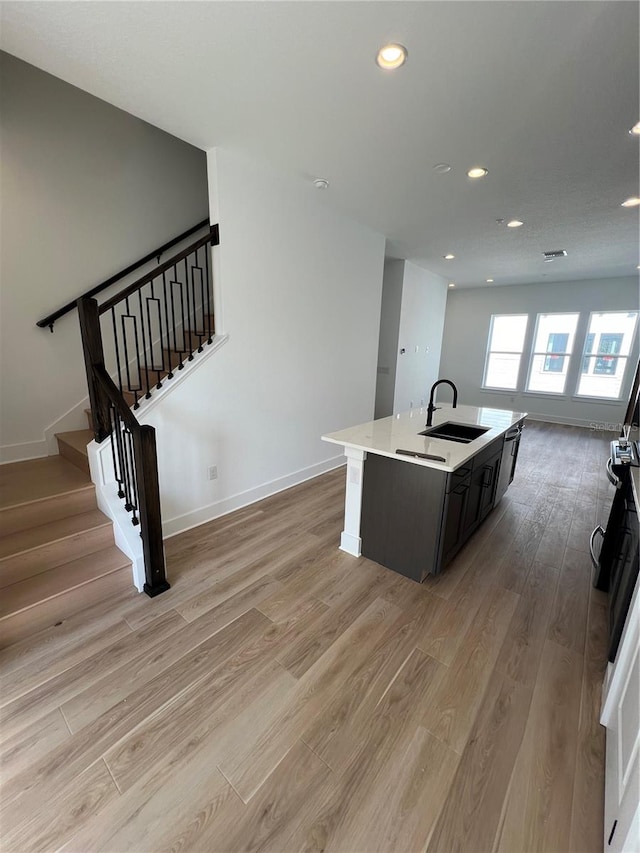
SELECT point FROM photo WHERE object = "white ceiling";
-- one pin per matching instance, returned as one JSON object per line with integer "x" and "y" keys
{"x": 540, "y": 93}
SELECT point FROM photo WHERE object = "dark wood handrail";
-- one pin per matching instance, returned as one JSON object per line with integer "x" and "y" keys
{"x": 212, "y": 237}
{"x": 50, "y": 319}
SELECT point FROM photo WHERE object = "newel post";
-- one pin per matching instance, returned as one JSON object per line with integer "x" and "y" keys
{"x": 146, "y": 462}
{"x": 94, "y": 357}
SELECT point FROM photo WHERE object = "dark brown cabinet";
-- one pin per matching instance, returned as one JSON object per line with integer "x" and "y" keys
{"x": 414, "y": 518}
{"x": 455, "y": 510}
{"x": 482, "y": 490}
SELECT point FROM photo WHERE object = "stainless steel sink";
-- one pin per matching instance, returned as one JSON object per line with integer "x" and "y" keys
{"x": 449, "y": 431}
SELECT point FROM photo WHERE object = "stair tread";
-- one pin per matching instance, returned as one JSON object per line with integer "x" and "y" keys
{"x": 35, "y": 479}
{"x": 20, "y": 596}
{"x": 77, "y": 438}
{"x": 43, "y": 534}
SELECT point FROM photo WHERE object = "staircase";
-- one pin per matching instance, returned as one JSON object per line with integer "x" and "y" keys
{"x": 57, "y": 552}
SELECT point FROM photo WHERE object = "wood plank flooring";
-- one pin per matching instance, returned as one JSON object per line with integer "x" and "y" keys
{"x": 286, "y": 696}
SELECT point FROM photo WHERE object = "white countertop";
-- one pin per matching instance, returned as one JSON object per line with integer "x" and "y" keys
{"x": 387, "y": 435}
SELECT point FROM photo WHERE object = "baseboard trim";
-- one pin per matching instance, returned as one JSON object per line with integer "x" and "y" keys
{"x": 23, "y": 452}
{"x": 182, "y": 523}
{"x": 351, "y": 544}
{"x": 580, "y": 422}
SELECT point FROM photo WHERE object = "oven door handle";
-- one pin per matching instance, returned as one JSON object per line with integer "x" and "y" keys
{"x": 596, "y": 530}
{"x": 611, "y": 477}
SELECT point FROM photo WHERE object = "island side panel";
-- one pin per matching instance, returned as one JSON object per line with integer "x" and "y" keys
{"x": 350, "y": 540}
{"x": 402, "y": 506}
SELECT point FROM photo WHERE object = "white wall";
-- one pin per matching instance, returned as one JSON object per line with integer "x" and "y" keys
{"x": 300, "y": 290}
{"x": 466, "y": 332}
{"x": 85, "y": 189}
{"x": 424, "y": 296}
{"x": 388, "y": 338}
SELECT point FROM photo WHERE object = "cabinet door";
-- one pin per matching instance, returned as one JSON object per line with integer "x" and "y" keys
{"x": 490, "y": 472}
{"x": 482, "y": 489}
{"x": 453, "y": 534}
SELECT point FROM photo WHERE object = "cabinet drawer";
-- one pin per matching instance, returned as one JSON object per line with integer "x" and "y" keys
{"x": 484, "y": 456}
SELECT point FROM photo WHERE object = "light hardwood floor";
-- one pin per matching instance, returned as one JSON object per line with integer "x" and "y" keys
{"x": 286, "y": 696}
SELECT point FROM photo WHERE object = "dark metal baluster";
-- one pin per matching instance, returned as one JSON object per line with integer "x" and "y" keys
{"x": 125, "y": 467}
{"x": 187, "y": 335}
{"x": 184, "y": 342}
{"x": 131, "y": 457}
{"x": 166, "y": 314}
{"x": 209, "y": 293}
{"x": 144, "y": 347}
{"x": 115, "y": 340}
{"x": 115, "y": 426}
{"x": 124, "y": 317}
{"x": 154, "y": 369}
{"x": 202, "y": 301}
{"x": 173, "y": 316}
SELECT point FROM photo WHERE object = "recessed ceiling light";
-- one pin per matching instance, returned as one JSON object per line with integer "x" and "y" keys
{"x": 514, "y": 223}
{"x": 635, "y": 130}
{"x": 448, "y": 257}
{"x": 321, "y": 184}
{"x": 477, "y": 172}
{"x": 631, "y": 202}
{"x": 489, "y": 281}
{"x": 452, "y": 284}
{"x": 442, "y": 168}
{"x": 391, "y": 56}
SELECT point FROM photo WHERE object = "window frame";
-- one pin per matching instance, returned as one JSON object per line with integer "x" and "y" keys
{"x": 489, "y": 352}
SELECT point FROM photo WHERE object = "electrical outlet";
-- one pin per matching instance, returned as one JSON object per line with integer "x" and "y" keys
{"x": 212, "y": 471}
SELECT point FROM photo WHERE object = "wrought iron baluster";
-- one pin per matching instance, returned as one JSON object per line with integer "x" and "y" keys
{"x": 209, "y": 287}
{"x": 144, "y": 348}
{"x": 186, "y": 336}
{"x": 132, "y": 473}
{"x": 115, "y": 427}
{"x": 117, "y": 348}
{"x": 172, "y": 281}
{"x": 168, "y": 324}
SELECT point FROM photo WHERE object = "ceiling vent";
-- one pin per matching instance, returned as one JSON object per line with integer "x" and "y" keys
{"x": 551, "y": 256}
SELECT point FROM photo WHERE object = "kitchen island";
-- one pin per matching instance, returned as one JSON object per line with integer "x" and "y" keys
{"x": 411, "y": 513}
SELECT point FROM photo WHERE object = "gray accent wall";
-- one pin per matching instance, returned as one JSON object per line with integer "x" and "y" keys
{"x": 466, "y": 332}
{"x": 86, "y": 189}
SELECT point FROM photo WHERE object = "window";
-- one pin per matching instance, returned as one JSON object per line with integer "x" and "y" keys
{"x": 606, "y": 351}
{"x": 506, "y": 342}
{"x": 552, "y": 349}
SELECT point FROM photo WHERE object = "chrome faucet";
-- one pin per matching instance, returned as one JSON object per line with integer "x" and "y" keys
{"x": 431, "y": 408}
